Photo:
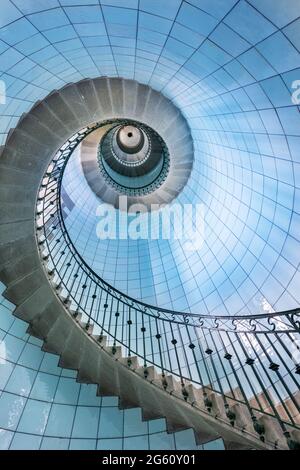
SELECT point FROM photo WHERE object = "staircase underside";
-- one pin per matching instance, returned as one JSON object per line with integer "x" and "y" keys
{"x": 23, "y": 161}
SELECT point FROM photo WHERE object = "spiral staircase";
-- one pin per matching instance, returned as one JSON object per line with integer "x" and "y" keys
{"x": 190, "y": 369}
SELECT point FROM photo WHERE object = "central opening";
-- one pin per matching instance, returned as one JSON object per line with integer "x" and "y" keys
{"x": 129, "y": 134}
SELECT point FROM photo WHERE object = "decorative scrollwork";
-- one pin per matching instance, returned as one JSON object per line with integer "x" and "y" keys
{"x": 271, "y": 323}
{"x": 235, "y": 324}
{"x": 295, "y": 319}
{"x": 252, "y": 324}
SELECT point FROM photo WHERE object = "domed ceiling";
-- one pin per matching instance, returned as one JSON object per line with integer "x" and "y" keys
{"x": 232, "y": 68}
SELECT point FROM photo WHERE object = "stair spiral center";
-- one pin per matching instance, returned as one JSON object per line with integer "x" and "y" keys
{"x": 130, "y": 139}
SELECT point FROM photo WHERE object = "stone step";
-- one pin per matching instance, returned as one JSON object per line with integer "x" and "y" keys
{"x": 42, "y": 132}
{"x": 89, "y": 369}
{"x": 115, "y": 351}
{"x": 130, "y": 88}
{"x": 45, "y": 114}
{"x": 23, "y": 243}
{"x": 141, "y": 102}
{"x": 16, "y": 177}
{"x": 35, "y": 304}
{"x": 17, "y": 292}
{"x": 151, "y": 114}
{"x": 19, "y": 266}
{"x": 116, "y": 92}
{"x": 65, "y": 106}
{"x": 70, "y": 356}
{"x": 88, "y": 94}
{"x": 109, "y": 383}
{"x": 102, "y": 89}
{"x": 50, "y": 319}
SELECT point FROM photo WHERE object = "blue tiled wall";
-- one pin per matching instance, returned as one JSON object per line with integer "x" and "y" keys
{"x": 43, "y": 407}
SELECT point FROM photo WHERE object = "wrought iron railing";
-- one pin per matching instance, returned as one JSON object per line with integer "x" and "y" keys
{"x": 251, "y": 360}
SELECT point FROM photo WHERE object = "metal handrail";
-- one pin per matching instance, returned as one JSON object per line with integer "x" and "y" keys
{"x": 252, "y": 359}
